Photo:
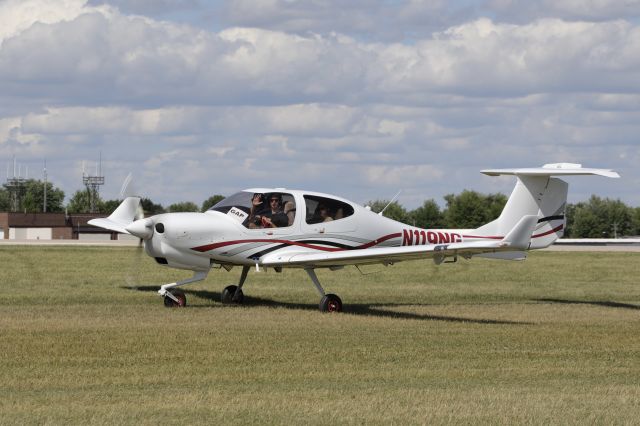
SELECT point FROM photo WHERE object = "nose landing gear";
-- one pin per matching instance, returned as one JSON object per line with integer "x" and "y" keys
{"x": 171, "y": 302}
{"x": 174, "y": 298}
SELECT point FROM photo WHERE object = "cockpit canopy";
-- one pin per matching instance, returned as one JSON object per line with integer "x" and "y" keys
{"x": 275, "y": 209}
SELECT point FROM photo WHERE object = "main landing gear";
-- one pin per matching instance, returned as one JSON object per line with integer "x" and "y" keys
{"x": 329, "y": 302}
{"x": 233, "y": 294}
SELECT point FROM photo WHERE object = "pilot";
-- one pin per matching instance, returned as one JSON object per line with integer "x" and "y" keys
{"x": 271, "y": 216}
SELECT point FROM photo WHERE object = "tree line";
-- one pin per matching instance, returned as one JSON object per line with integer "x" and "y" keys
{"x": 595, "y": 218}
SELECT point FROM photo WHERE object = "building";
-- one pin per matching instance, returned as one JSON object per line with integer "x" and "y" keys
{"x": 52, "y": 226}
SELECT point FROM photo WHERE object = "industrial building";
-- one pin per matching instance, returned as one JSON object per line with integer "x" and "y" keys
{"x": 52, "y": 226}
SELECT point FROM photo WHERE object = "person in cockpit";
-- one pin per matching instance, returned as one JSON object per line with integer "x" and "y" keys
{"x": 271, "y": 216}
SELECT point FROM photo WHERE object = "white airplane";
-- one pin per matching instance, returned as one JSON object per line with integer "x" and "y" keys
{"x": 279, "y": 228}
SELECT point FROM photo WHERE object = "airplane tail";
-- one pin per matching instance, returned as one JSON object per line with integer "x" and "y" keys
{"x": 126, "y": 213}
{"x": 537, "y": 193}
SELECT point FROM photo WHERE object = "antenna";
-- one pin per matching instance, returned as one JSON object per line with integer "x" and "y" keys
{"x": 93, "y": 184}
{"x": 389, "y": 203}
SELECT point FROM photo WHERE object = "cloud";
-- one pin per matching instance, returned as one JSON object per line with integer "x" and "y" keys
{"x": 298, "y": 101}
{"x": 577, "y": 10}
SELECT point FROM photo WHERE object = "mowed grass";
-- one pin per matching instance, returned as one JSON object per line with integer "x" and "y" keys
{"x": 84, "y": 339}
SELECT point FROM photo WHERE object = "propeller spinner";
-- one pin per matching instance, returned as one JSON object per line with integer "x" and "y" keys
{"x": 141, "y": 228}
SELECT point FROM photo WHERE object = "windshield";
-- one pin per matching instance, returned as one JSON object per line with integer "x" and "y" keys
{"x": 241, "y": 200}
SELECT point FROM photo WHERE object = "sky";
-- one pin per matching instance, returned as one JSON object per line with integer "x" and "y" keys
{"x": 360, "y": 99}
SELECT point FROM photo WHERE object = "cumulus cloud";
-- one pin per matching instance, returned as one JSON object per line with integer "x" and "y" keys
{"x": 577, "y": 10}
{"x": 299, "y": 99}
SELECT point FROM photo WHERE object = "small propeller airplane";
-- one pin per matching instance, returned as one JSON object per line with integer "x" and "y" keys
{"x": 279, "y": 228}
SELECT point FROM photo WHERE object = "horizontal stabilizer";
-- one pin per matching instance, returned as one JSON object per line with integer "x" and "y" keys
{"x": 556, "y": 169}
{"x": 123, "y": 216}
{"x": 520, "y": 236}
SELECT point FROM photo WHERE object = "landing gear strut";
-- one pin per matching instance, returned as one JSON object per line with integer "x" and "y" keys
{"x": 177, "y": 298}
{"x": 233, "y": 293}
{"x": 329, "y": 302}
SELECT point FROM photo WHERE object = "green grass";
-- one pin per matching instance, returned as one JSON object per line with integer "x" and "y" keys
{"x": 554, "y": 340}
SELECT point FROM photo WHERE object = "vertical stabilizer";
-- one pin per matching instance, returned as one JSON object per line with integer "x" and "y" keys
{"x": 537, "y": 193}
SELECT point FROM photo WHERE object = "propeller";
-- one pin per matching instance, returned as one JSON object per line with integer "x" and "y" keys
{"x": 141, "y": 228}
{"x": 128, "y": 190}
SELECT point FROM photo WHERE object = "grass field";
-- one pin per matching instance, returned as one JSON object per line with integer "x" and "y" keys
{"x": 554, "y": 340}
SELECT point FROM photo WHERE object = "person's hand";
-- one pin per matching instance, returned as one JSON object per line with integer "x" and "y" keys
{"x": 256, "y": 200}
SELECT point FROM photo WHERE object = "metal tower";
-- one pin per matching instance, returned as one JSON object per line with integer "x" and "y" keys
{"x": 16, "y": 185}
{"x": 92, "y": 183}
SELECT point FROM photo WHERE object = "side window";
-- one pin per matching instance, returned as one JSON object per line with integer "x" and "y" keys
{"x": 322, "y": 209}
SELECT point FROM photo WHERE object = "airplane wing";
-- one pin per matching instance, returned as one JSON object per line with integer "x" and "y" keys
{"x": 516, "y": 240}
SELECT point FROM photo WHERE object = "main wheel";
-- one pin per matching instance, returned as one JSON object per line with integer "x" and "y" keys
{"x": 170, "y": 303}
{"x": 227, "y": 295}
{"x": 331, "y": 303}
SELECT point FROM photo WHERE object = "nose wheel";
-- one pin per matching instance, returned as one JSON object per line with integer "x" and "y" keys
{"x": 179, "y": 302}
{"x": 175, "y": 298}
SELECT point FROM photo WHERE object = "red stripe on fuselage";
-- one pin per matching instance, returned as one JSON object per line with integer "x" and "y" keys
{"x": 556, "y": 229}
{"x": 208, "y": 247}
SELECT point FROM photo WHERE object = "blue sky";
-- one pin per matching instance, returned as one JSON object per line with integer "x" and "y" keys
{"x": 359, "y": 98}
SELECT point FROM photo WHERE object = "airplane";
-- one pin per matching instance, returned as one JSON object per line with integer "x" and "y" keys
{"x": 279, "y": 228}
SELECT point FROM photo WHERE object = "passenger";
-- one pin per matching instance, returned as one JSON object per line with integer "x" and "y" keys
{"x": 324, "y": 213}
{"x": 290, "y": 211}
{"x": 321, "y": 214}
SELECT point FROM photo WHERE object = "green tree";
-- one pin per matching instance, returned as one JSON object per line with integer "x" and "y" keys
{"x": 109, "y": 206}
{"x": 395, "y": 211}
{"x": 34, "y": 197}
{"x": 81, "y": 203}
{"x": 600, "y": 218}
{"x": 4, "y": 200}
{"x": 150, "y": 208}
{"x": 471, "y": 209}
{"x": 185, "y": 206}
{"x": 635, "y": 221}
{"x": 427, "y": 216}
{"x": 211, "y": 201}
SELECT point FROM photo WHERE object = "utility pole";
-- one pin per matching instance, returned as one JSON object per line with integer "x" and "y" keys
{"x": 44, "y": 203}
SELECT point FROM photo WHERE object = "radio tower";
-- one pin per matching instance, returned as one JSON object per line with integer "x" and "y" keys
{"x": 16, "y": 185}
{"x": 93, "y": 185}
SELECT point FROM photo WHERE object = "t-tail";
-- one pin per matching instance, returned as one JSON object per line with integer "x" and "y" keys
{"x": 538, "y": 193}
